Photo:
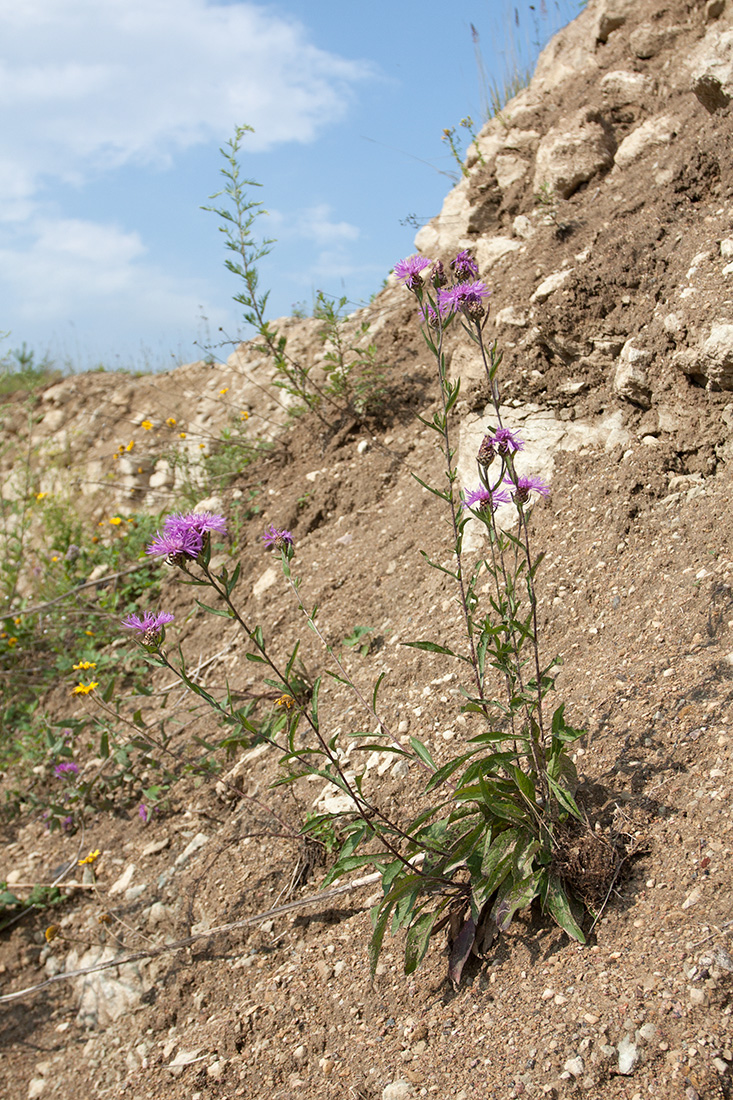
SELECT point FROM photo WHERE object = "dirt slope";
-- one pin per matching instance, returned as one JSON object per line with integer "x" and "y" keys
{"x": 611, "y": 301}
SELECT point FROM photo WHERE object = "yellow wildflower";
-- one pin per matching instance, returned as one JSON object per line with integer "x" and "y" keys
{"x": 84, "y": 689}
{"x": 244, "y": 415}
{"x": 90, "y": 633}
{"x": 55, "y": 557}
{"x": 84, "y": 665}
{"x": 52, "y": 932}
{"x": 202, "y": 446}
{"x": 130, "y": 445}
{"x": 286, "y": 701}
{"x": 121, "y": 448}
{"x": 181, "y": 435}
{"x": 17, "y": 620}
{"x": 91, "y": 857}
{"x": 40, "y": 496}
{"x": 115, "y": 457}
{"x": 12, "y": 641}
{"x": 146, "y": 424}
{"x": 115, "y": 521}
{"x": 225, "y": 390}
{"x": 171, "y": 421}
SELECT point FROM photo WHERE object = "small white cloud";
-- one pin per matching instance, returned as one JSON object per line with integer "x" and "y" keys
{"x": 315, "y": 224}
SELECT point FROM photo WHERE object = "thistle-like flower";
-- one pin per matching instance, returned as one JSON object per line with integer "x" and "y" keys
{"x": 277, "y": 540}
{"x": 68, "y": 767}
{"x": 523, "y": 486}
{"x": 483, "y": 500}
{"x": 464, "y": 267}
{"x": 466, "y": 298}
{"x": 408, "y": 271}
{"x": 183, "y": 535}
{"x": 148, "y": 627}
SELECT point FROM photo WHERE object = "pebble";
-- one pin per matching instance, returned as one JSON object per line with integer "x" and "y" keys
{"x": 300, "y": 1054}
{"x": 156, "y": 846}
{"x": 191, "y": 848}
{"x": 628, "y": 1055}
{"x": 35, "y": 1087}
{"x": 398, "y": 1090}
{"x": 692, "y": 898}
{"x": 574, "y": 1066}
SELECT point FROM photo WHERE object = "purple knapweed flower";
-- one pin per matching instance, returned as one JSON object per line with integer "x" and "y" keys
{"x": 183, "y": 535}
{"x": 68, "y": 767}
{"x": 176, "y": 546}
{"x": 277, "y": 540}
{"x": 148, "y": 626}
{"x": 504, "y": 440}
{"x": 202, "y": 523}
{"x": 144, "y": 814}
{"x": 523, "y": 486}
{"x": 467, "y": 298}
{"x": 408, "y": 271}
{"x": 428, "y": 316}
{"x": 483, "y": 499}
{"x": 464, "y": 267}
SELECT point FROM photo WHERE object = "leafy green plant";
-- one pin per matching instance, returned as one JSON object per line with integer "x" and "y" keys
{"x": 359, "y": 639}
{"x": 352, "y": 382}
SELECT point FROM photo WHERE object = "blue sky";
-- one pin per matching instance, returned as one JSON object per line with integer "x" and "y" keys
{"x": 112, "y": 115}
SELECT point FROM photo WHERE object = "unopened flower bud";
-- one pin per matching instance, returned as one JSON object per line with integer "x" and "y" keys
{"x": 437, "y": 274}
{"x": 486, "y": 452}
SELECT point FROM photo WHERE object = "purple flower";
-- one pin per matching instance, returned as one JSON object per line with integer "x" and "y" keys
{"x": 523, "y": 486}
{"x": 465, "y": 298}
{"x": 408, "y": 271}
{"x": 144, "y": 814}
{"x": 504, "y": 440}
{"x": 183, "y": 536}
{"x": 464, "y": 267}
{"x": 148, "y": 626}
{"x": 200, "y": 522}
{"x": 67, "y": 768}
{"x": 175, "y": 545}
{"x": 277, "y": 540}
{"x": 483, "y": 499}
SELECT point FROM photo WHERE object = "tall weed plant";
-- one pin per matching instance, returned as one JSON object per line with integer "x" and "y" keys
{"x": 348, "y": 380}
{"x": 494, "y": 819}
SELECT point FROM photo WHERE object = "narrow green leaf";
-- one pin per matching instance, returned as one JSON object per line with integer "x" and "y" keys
{"x": 421, "y": 750}
{"x": 432, "y": 647}
{"x": 224, "y": 612}
{"x": 558, "y": 906}
{"x": 418, "y": 938}
{"x": 380, "y": 924}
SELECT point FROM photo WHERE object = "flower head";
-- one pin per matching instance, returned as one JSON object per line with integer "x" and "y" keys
{"x": 483, "y": 499}
{"x": 437, "y": 274}
{"x": 84, "y": 666}
{"x": 183, "y": 535}
{"x": 90, "y": 858}
{"x": 464, "y": 267}
{"x": 408, "y": 271}
{"x": 467, "y": 298}
{"x": 175, "y": 546}
{"x": 277, "y": 540}
{"x": 504, "y": 440}
{"x": 148, "y": 626}
{"x": 428, "y": 316}
{"x": 84, "y": 689}
{"x": 68, "y": 767}
{"x": 144, "y": 813}
{"x": 523, "y": 486}
{"x": 146, "y": 424}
